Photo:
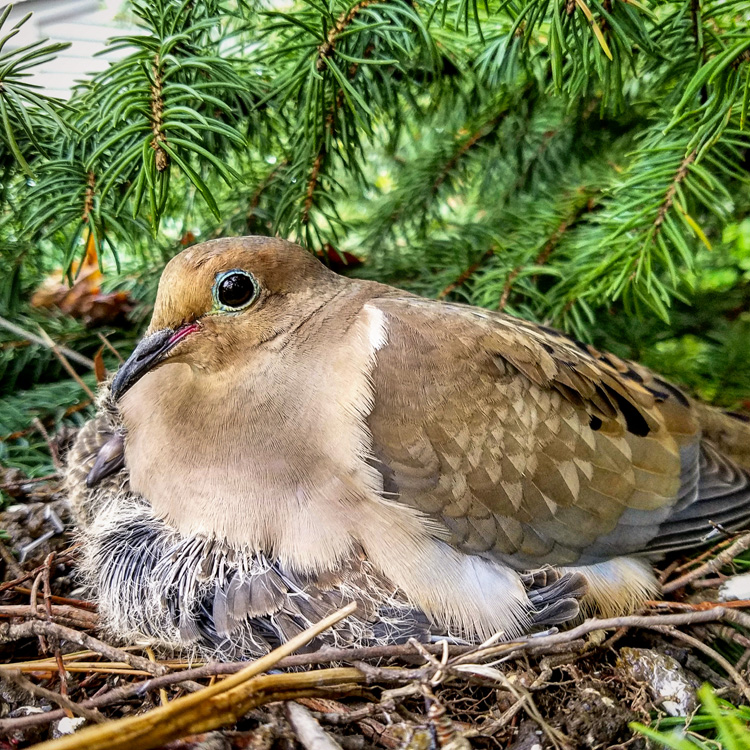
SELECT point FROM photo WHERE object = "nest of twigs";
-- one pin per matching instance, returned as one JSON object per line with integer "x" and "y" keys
{"x": 62, "y": 683}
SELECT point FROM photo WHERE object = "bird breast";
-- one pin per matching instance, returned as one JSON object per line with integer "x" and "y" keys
{"x": 271, "y": 454}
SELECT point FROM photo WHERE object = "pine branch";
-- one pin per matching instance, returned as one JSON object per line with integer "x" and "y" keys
{"x": 467, "y": 144}
{"x": 157, "y": 116}
{"x": 328, "y": 47}
{"x": 679, "y": 177}
{"x": 549, "y": 246}
{"x": 466, "y": 274}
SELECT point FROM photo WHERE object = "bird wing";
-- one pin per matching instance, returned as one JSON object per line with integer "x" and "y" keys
{"x": 532, "y": 448}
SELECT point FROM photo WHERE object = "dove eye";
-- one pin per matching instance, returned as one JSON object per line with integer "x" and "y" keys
{"x": 234, "y": 290}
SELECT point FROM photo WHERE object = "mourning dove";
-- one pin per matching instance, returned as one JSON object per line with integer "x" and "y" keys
{"x": 284, "y": 440}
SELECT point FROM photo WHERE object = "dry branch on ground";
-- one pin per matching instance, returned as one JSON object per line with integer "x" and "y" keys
{"x": 580, "y": 687}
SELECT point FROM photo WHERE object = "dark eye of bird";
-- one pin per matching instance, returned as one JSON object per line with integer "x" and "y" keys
{"x": 236, "y": 289}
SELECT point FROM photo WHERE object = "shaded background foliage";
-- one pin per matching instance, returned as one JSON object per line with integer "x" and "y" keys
{"x": 576, "y": 162}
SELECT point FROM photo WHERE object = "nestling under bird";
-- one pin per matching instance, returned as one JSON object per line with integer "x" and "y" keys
{"x": 284, "y": 440}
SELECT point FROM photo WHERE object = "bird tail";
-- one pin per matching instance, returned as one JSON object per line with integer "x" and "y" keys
{"x": 718, "y": 498}
{"x": 729, "y": 432}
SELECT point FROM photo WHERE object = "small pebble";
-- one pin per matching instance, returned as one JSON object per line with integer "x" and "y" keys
{"x": 669, "y": 685}
{"x": 736, "y": 588}
{"x": 67, "y": 726}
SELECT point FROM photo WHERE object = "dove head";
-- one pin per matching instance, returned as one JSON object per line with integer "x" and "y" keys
{"x": 219, "y": 300}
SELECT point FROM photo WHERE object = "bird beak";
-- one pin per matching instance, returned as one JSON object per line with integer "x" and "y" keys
{"x": 150, "y": 351}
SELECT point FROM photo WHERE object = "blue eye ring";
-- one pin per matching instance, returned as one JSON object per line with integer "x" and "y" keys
{"x": 235, "y": 290}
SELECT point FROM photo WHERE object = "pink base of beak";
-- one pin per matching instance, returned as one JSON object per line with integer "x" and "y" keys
{"x": 181, "y": 332}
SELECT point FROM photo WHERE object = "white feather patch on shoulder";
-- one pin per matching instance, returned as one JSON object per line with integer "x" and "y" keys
{"x": 378, "y": 331}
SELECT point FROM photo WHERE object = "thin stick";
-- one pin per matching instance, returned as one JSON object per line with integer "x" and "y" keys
{"x": 63, "y": 701}
{"x": 523, "y": 696}
{"x": 79, "y": 603}
{"x": 28, "y": 336}
{"x": 712, "y": 654}
{"x": 47, "y": 591}
{"x": 536, "y": 645}
{"x": 162, "y": 692}
{"x": 212, "y": 707}
{"x": 109, "y": 346}
{"x": 65, "y": 556}
{"x": 80, "y": 618}
{"x": 51, "y": 447}
{"x": 692, "y": 562}
{"x": 506, "y": 650}
{"x": 68, "y": 367}
{"x": 17, "y": 632}
{"x": 307, "y": 730}
{"x": 712, "y": 566}
{"x": 10, "y": 561}
{"x": 33, "y": 606}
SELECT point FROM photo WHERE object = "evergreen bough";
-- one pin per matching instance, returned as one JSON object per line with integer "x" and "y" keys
{"x": 578, "y": 162}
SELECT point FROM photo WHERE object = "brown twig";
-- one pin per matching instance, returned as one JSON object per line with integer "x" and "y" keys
{"x": 157, "y": 116}
{"x": 712, "y": 566}
{"x": 547, "y": 249}
{"x": 51, "y": 447}
{"x": 506, "y": 650}
{"x": 493, "y": 726}
{"x": 78, "y": 603}
{"x": 47, "y": 343}
{"x": 312, "y": 183}
{"x": 712, "y": 654}
{"x": 537, "y": 646}
{"x": 338, "y": 714}
{"x": 64, "y": 362}
{"x": 679, "y": 177}
{"x": 466, "y": 145}
{"x": 507, "y": 287}
{"x": 64, "y": 614}
{"x": 671, "y": 568}
{"x": 47, "y": 422}
{"x": 329, "y": 126}
{"x": 326, "y": 49}
{"x": 11, "y": 564}
{"x": 47, "y": 591}
{"x": 215, "y": 706}
{"x": 88, "y": 200}
{"x": 10, "y": 632}
{"x": 65, "y": 557}
{"x": 467, "y": 273}
{"x": 707, "y": 553}
{"x": 109, "y": 346}
{"x": 698, "y": 606}
{"x": 67, "y": 705}
{"x": 374, "y": 675}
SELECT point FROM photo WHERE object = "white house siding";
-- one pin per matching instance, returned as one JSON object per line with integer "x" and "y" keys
{"x": 87, "y": 24}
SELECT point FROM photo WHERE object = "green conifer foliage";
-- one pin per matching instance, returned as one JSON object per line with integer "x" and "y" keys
{"x": 579, "y": 162}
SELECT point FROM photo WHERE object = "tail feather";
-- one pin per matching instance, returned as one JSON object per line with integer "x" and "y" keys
{"x": 721, "y": 499}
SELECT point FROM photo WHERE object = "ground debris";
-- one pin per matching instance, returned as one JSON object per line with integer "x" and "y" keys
{"x": 594, "y": 717}
{"x": 561, "y": 690}
{"x": 670, "y": 686}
